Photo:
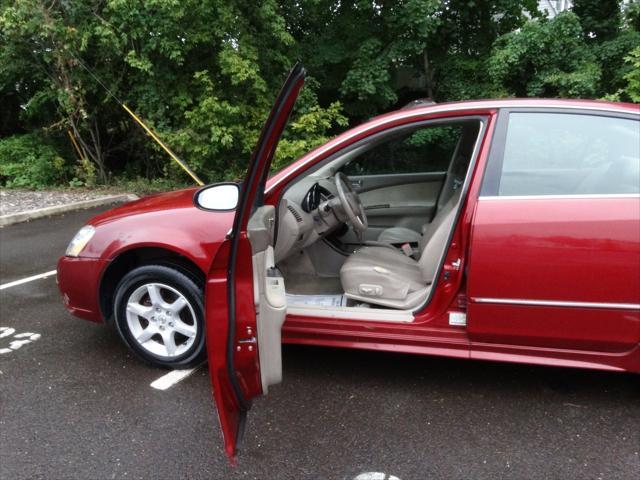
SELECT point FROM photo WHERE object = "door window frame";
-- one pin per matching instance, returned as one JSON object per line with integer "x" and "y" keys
{"x": 490, "y": 186}
{"x": 484, "y": 121}
{"x": 412, "y": 128}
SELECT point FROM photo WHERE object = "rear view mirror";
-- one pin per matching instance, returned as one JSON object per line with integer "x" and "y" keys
{"x": 220, "y": 196}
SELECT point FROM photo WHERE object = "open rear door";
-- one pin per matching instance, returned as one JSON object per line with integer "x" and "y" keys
{"x": 245, "y": 300}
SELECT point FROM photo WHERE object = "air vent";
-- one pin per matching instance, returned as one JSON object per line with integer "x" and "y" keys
{"x": 325, "y": 194}
{"x": 295, "y": 214}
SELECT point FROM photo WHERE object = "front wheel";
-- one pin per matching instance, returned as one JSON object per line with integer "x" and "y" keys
{"x": 160, "y": 316}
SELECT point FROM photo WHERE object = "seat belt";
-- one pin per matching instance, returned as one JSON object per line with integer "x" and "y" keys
{"x": 407, "y": 249}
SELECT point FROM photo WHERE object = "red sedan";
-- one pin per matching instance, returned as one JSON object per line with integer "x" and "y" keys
{"x": 498, "y": 230}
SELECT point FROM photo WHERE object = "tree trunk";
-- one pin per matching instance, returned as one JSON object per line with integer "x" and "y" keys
{"x": 93, "y": 150}
{"x": 75, "y": 111}
{"x": 428, "y": 74}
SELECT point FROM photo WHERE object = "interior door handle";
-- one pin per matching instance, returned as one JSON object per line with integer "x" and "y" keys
{"x": 356, "y": 183}
{"x": 378, "y": 206}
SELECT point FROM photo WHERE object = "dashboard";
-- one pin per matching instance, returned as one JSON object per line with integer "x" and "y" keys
{"x": 314, "y": 197}
{"x": 305, "y": 216}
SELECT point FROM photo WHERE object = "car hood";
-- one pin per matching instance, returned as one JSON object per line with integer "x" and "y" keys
{"x": 176, "y": 200}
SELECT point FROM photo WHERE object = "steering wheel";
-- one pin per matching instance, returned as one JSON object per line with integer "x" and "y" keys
{"x": 351, "y": 203}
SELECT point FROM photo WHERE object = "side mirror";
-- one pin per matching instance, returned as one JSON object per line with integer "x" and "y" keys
{"x": 218, "y": 197}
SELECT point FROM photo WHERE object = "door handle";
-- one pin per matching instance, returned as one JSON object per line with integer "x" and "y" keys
{"x": 356, "y": 183}
{"x": 377, "y": 206}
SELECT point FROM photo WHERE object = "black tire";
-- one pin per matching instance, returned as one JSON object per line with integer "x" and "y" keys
{"x": 161, "y": 276}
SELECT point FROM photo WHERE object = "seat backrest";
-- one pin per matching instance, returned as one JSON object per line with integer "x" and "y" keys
{"x": 436, "y": 234}
{"x": 457, "y": 171}
{"x": 435, "y": 237}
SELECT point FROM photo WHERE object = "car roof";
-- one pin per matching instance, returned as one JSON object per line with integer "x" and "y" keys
{"x": 522, "y": 103}
{"x": 462, "y": 106}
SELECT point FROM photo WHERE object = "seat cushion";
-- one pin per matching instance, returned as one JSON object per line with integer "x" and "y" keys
{"x": 388, "y": 257}
{"x": 381, "y": 272}
{"x": 397, "y": 235}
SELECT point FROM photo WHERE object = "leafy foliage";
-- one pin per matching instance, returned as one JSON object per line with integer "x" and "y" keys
{"x": 546, "y": 59}
{"x": 28, "y": 161}
{"x": 204, "y": 73}
{"x": 600, "y": 19}
{"x": 631, "y": 91}
{"x": 428, "y": 149}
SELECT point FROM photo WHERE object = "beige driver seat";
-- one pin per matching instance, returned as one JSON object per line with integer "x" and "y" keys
{"x": 383, "y": 275}
{"x": 453, "y": 181}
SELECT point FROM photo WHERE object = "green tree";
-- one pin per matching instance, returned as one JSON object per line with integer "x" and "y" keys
{"x": 631, "y": 88}
{"x": 611, "y": 36}
{"x": 40, "y": 44}
{"x": 376, "y": 55}
{"x": 600, "y": 19}
{"x": 461, "y": 45}
{"x": 203, "y": 74}
{"x": 355, "y": 49}
{"x": 546, "y": 58}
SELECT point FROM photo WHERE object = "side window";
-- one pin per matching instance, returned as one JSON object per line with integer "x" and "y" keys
{"x": 428, "y": 149}
{"x": 570, "y": 154}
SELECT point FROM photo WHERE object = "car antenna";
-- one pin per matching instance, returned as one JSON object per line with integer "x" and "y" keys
{"x": 420, "y": 102}
{"x": 139, "y": 121}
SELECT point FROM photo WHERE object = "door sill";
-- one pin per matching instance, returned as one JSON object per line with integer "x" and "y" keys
{"x": 352, "y": 313}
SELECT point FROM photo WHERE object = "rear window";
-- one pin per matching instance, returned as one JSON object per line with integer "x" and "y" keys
{"x": 570, "y": 154}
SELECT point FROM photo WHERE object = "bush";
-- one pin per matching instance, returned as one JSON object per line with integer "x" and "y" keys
{"x": 631, "y": 92}
{"x": 146, "y": 186}
{"x": 27, "y": 161}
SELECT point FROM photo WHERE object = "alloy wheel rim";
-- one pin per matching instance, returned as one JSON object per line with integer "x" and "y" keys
{"x": 161, "y": 320}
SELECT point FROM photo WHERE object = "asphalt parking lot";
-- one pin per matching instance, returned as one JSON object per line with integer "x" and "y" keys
{"x": 76, "y": 404}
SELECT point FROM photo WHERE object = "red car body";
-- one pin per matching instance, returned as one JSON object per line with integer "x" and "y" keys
{"x": 605, "y": 338}
{"x": 552, "y": 280}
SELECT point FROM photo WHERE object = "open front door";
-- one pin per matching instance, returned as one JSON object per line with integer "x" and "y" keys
{"x": 245, "y": 300}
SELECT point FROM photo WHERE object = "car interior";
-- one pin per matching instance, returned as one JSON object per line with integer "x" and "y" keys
{"x": 364, "y": 234}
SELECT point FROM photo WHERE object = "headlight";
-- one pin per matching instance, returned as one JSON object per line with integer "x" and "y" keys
{"x": 80, "y": 241}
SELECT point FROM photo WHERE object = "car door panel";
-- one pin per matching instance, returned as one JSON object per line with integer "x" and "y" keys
{"x": 269, "y": 296}
{"x": 556, "y": 272}
{"x": 398, "y": 200}
{"x": 555, "y": 251}
{"x": 368, "y": 183}
{"x": 235, "y": 299}
{"x": 245, "y": 376}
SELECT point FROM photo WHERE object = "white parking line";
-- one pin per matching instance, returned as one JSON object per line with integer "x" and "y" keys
{"x": 171, "y": 378}
{"x": 27, "y": 280}
{"x": 375, "y": 476}
{"x": 20, "y": 339}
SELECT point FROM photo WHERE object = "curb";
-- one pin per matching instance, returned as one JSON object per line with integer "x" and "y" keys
{"x": 20, "y": 217}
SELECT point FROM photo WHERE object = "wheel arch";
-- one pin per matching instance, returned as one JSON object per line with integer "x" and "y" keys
{"x": 135, "y": 257}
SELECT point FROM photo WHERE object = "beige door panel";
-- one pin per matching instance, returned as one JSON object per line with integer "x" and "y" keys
{"x": 400, "y": 200}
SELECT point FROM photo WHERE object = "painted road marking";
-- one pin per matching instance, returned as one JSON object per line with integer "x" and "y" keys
{"x": 20, "y": 339}
{"x": 28, "y": 279}
{"x": 171, "y": 378}
{"x": 375, "y": 476}
{"x": 6, "y": 331}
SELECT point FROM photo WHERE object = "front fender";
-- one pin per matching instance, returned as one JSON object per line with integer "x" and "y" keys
{"x": 192, "y": 233}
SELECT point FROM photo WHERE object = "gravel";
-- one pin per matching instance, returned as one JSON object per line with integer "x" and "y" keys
{"x": 17, "y": 201}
